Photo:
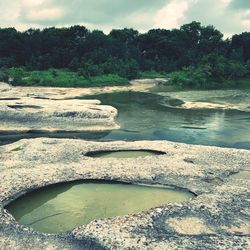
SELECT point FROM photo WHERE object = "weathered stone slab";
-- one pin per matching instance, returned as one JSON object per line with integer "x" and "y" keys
{"x": 218, "y": 218}
{"x": 53, "y": 93}
{"x": 27, "y": 114}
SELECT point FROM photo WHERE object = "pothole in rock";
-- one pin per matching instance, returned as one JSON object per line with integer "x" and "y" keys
{"x": 62, "y": 207}
{"x": 24, "y": 106}
{"x": 9, "y": 99}
{"x": 123, "y": 153}
{"x": 42, "y": 98}
{"x": 244, "y": 175}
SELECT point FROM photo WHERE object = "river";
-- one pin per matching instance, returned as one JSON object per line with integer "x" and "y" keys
{"x": 153, "y": 116}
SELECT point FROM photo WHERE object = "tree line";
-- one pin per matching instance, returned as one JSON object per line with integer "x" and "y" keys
{"x": 195, "y": 53}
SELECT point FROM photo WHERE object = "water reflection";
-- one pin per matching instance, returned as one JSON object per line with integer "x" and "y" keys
{"x": 150, "y": 116}
{"x": 59, "y": 208}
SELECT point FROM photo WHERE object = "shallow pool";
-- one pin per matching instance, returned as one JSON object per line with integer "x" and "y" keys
{"x": 124, "y": 154}
{"x": 62, "y": 207}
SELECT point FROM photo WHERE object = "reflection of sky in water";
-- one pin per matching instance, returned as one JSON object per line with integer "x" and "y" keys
{"x": 147, "y": 116}
{"x": 62, "y": 207}
{"x": 144, "y": 118}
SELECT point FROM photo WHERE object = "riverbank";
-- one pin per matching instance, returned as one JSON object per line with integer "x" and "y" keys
{"x": 186, "y": 99}
{"x": 144, "y": 109}
{"x": 65, "y": 78}
{"x": 216, "y": 218}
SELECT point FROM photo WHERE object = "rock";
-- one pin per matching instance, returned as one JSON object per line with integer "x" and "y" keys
{"x": 4, "y": 87}
{"x": 27, "y": 114}
{"x": 216, "y": 219}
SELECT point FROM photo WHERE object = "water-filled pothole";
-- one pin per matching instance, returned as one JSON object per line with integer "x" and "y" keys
{"x": 9, "y": 99}
{"x": 244, "y": 175}
{"x": 123, "y": 153}
{"x": 62, "y": 207}
{"x": 18, "y": 106}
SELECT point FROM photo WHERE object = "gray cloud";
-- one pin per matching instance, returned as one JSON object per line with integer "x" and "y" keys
{"x": 219, "y": 14}
{"x": 99, "y": 12}
{"x": 229, "y": 17}
{"x": 246, "y": 17}
{"x": 239, "y": 4}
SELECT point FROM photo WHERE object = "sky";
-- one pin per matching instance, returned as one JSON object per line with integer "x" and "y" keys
{"x": 229, "y": 16}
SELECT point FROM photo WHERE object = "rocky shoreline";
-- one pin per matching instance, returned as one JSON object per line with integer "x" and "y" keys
{"x": 218, "y": 218}
{"x": 29, "y": 114}
{"x": 39, "y": 113}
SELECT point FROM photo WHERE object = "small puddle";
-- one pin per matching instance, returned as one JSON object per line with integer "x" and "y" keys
{"x": 123, "y": 153}
{"x": 24, "y": 106}
{"x": 9, "y": 99}
{"x": 244, "y": 175}
{"x": 62, "y": 207}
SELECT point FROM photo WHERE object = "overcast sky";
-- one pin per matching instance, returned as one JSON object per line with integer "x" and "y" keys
{"x": 229, "y": 16}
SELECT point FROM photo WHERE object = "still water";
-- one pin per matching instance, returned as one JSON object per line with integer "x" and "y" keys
{"x": 124, "y": 154}
{"x": 153, "y": 117}
{"x": 156, "y": 116}
{"x": 62, "y": 207}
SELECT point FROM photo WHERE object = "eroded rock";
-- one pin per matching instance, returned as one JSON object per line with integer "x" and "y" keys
{"x": 218, "y": 218}
{"x": 27, "y": 114}
{"x": 189, "y": 225}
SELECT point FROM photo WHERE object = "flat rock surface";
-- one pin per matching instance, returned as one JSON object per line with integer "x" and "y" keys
{"x": 52, "y": 93}
{"x": 229, "y": 99}
{"x": 218, "y": 218}
{"x": 25, "y": 113}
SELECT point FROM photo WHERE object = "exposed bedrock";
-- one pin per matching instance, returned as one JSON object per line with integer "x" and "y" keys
{"x": 218, "y": 218}
{"x": 26, "y": 114}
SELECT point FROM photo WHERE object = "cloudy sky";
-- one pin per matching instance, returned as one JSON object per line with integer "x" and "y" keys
{"x": 229, "y": 16}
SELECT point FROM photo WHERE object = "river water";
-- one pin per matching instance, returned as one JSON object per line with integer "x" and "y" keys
{"x": 142, "y": 116}
{"x": 157, "y": 116}
{"x": 148, "y": 116}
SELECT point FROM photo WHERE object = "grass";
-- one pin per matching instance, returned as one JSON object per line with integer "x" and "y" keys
{"x": 65, "y": 78}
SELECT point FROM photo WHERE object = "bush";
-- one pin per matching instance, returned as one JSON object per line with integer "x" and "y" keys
{"x": 4, "y": 77}
{"x": 235, "y": 70}
{"x": 64, "y": 78}
{"x": 191, "y": 77}
{"x": 153, "y": 74}
{"x": 16, "y": 75}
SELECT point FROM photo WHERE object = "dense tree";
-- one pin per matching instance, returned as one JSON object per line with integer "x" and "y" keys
{"x": 242, "y": 42}
{"x": 126, "y": 52}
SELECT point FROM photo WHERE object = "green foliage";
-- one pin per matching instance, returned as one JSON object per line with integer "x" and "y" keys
{"x": 196, "y": 55}
{"x": 214, "y": 73}
{"x": 235, "y": 70}
{"x": 64, "y": 78}
{"x": 190, "y": 77}
{"x": 130, "y": 69}
{"x": 89, "y": 70}
{"x": 4, "y": 76}
{"x": 153, "y": 74}
{"x": 16, "y": 75}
